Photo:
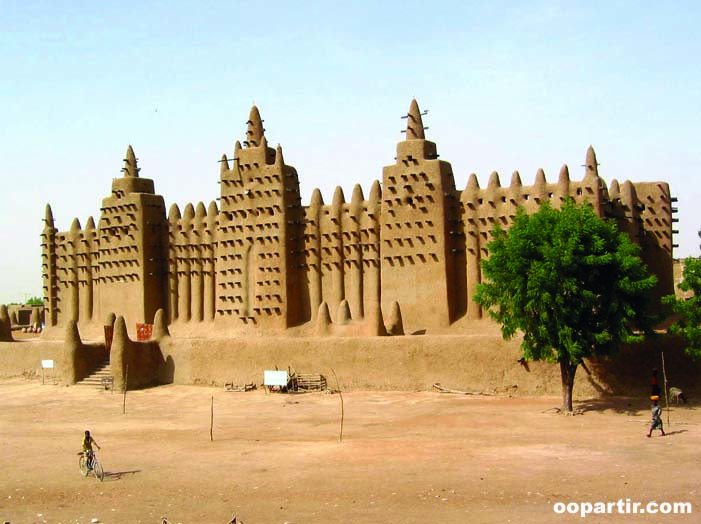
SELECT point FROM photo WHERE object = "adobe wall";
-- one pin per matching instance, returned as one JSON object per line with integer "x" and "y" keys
{"x": 24, "y": 357}
{"x": 79, "y": 359}
{"x": 70, "y": 262}
{"x": 264, "y": 263}
{"x": 395, "y": 363}
{"x": 630, "y": 370}
{"x": 475, "y": 363}
{"x": 137, "y": 364}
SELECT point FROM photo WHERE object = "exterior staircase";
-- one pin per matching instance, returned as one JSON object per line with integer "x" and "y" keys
{"x": 100, "y": 377}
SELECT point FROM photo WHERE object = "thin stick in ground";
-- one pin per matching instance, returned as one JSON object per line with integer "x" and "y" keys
{"x": 664, "y": 379}
{"x": 126, "y": 383}
{"x": 340, "y": 393}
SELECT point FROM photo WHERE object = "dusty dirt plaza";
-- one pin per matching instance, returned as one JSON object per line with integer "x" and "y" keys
{"x": 406, "y": 457}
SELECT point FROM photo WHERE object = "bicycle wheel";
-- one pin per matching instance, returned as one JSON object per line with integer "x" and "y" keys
{"x": 83, "y": 465}
{"x": 99, "y": 472}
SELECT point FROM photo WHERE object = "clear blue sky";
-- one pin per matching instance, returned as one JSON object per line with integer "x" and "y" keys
{"x": 509, "y": 85}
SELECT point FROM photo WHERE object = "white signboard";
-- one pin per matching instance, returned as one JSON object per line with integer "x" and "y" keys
{"x": 274, "y": 378}
{"x": 47, "y": 364}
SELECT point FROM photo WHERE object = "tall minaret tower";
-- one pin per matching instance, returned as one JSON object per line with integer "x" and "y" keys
{"x": 261, "y": 235}
{"x": 133, "y": 237}
{"x": 418, "y": 199}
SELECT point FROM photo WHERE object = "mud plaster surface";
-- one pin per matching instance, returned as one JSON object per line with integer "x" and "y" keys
{"x": 413, "y": 457}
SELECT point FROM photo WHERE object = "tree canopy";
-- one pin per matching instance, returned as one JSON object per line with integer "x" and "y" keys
{"x": 688, "y": 309}
{"x": 570, "y": 282}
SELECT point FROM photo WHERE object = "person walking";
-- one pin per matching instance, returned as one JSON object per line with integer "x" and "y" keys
{"x": 655, "y": 384}
{"x": 656, "y": 422}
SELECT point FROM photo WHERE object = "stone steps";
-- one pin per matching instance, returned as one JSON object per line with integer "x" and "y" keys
{"x": 95, "y": 379}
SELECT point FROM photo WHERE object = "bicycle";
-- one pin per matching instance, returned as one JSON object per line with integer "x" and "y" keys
{"x": 88, "y": 462}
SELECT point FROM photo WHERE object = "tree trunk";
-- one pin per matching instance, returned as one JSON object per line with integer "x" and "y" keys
{"x": 567, "y": 371}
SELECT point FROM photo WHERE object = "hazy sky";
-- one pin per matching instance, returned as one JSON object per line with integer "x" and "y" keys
{"x": 508, "y": 85}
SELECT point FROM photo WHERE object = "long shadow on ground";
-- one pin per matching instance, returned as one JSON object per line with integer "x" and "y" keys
{"x": 632, "y": 407}
{"x": 111, "y": 476}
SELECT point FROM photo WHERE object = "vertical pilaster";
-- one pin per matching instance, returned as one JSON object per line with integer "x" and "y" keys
{"x": 354, "y": 254}
{"x": 473, "y": 255}
{"x": 313, "y": 249}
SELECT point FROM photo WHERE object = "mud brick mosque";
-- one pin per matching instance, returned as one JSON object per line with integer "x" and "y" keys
{"x": 404, "y": 258}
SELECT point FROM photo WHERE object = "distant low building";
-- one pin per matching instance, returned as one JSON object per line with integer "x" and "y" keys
{"x": 21, "y": 315}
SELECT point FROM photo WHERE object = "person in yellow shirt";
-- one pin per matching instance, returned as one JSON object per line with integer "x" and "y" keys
{"x": 88, "y": 441}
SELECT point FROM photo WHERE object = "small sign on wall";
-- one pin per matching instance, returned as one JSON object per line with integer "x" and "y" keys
{"x": 144, "y": 332}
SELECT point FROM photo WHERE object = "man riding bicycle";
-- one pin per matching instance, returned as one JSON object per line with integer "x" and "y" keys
{"x": 88, "y": 441}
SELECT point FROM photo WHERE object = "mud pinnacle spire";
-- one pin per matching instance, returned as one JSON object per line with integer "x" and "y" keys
{"x": 414, "y": 124}
{"x": 279, "y": 160}
{"x": 49, "y": 216}
{"x": 255, "y": 131}
{"x": 130, "y": 167}
{"x": 223, "y": 165}
{"x": 590, "y": 163}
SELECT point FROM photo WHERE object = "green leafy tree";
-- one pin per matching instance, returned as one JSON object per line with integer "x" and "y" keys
{"x": 35, "y": 301}
{"x": 688, "y": 310}
{"x": 570, "y": 282}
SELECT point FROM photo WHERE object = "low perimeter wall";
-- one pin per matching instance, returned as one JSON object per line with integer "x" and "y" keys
{"x": 476, "y": 363}
{"x": 23, "y": 358}
{"x": 468, "y": 363}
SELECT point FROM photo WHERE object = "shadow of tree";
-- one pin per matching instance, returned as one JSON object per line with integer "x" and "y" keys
{"x": 635, "y": 407}
{"x": 632, "y": 407}
{"x": 596, "y": 385}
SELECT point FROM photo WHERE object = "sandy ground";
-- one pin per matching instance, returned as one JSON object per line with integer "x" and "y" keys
{"x": 276, "y": 458}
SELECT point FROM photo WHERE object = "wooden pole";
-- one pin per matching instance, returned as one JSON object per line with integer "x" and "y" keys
{"x": 664, "y": 378}
{"x": 211, "y": 420}
{"x": 126, "y": 379}
{"x": 340, "y": 435}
